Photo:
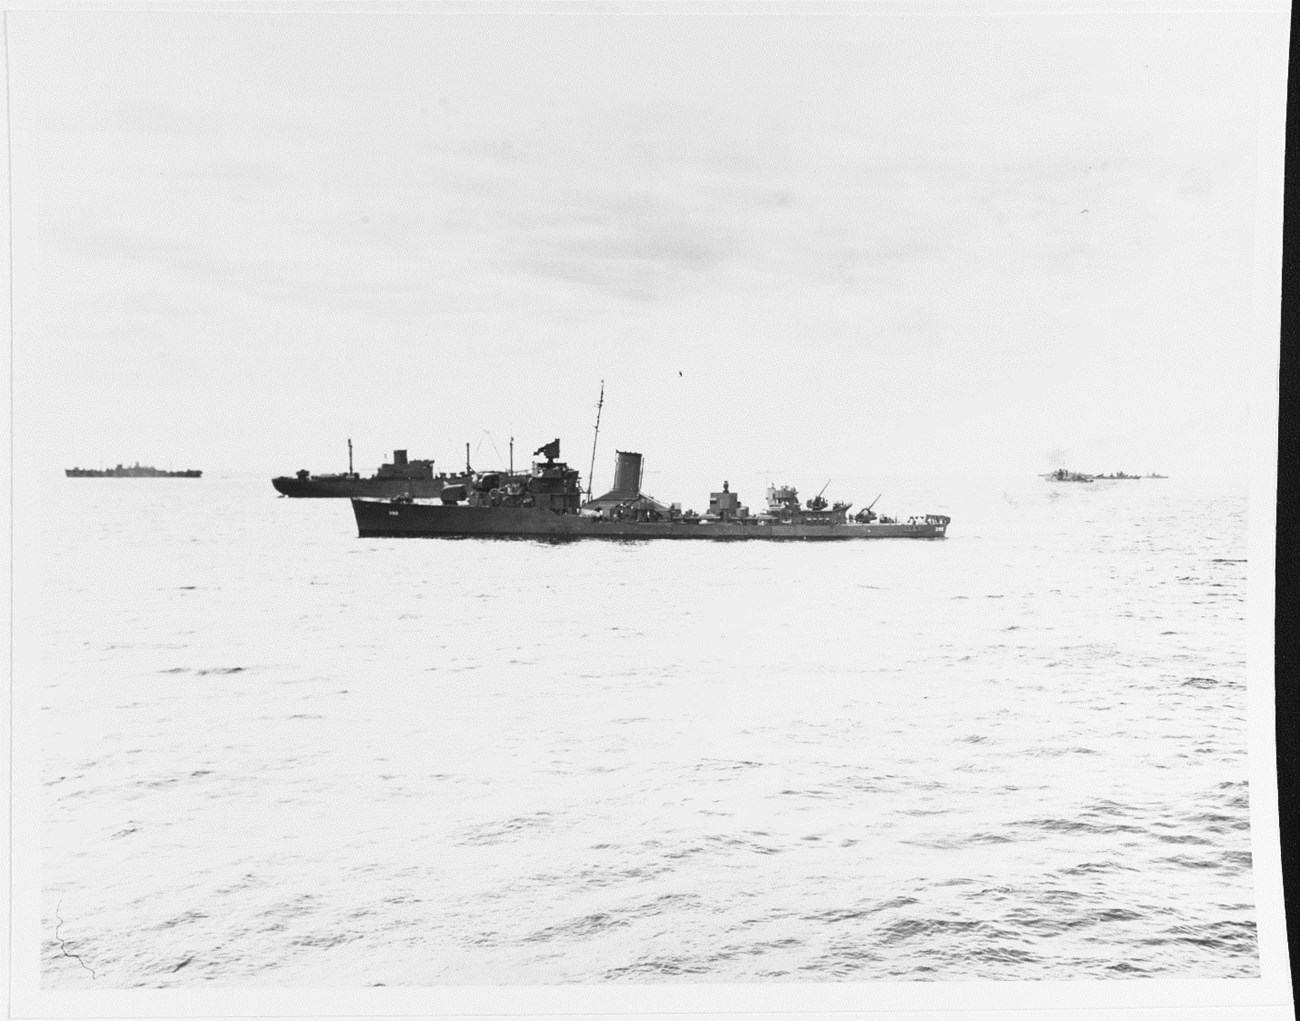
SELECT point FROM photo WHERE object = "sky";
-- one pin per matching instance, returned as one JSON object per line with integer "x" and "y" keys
{"x": 801, "y": 241}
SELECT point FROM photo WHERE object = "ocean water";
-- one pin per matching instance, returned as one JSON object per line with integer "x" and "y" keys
{"x": 274, "y": 754}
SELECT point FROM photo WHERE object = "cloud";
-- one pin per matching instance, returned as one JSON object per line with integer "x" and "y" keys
{"x": 894, "y": 201}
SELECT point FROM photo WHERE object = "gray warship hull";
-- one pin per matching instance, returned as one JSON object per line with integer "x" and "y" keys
{"x": 384, "y": 519}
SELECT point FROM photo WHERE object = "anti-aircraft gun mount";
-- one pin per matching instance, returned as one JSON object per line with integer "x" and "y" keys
{"x": 867, "y": 515}
{"x": 818, "y": 502}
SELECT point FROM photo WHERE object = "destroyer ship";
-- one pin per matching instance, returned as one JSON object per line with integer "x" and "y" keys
{"x": 1064, "y": 475}
{"x": 548, "y": 503}
{"x": 134, "y": 471}
{"x": 402, "y": 476}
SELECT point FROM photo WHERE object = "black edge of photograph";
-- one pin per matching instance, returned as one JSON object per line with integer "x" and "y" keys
{"x": 364, "y": 359}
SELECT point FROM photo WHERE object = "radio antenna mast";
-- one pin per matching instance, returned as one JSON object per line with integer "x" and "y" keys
{"x": 591, "y": 473}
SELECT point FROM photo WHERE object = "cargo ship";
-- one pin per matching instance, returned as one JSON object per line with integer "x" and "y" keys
{"x": 402, "y": 476}
{"x": 134, "y": 471}
{"x": 548, "y": 503}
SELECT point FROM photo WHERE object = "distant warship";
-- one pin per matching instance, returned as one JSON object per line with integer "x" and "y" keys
{"x": 134, "y": 471}
{"x": 1062, "y": 475}
{"x": 548, "y": 503}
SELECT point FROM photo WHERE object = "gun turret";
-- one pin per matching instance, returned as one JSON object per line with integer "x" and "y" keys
{"x": 867, "y": 515}
{"x": 818, "y": 502}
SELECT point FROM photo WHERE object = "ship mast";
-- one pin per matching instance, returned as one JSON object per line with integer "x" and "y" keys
{"x": 594, "y": 438}
{"x": 349, "y": 455}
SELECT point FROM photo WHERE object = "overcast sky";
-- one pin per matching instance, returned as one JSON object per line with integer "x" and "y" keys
{"x": 845, "y": 241}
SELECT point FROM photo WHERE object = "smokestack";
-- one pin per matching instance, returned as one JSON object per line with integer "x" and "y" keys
{"x": 399, "y": 458}
{"x": 627, "y": 472}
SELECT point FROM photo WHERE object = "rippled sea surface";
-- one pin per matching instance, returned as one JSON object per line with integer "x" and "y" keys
{"x": 277, "y": 754}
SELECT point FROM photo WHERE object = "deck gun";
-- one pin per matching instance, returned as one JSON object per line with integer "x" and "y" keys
{"x": 818, "y": 502}
{"x": 867, "y": 515}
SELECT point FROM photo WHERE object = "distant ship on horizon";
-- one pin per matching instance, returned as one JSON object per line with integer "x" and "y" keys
{"x": 1065, "y": 475}
{"x": 134, "y": 471}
